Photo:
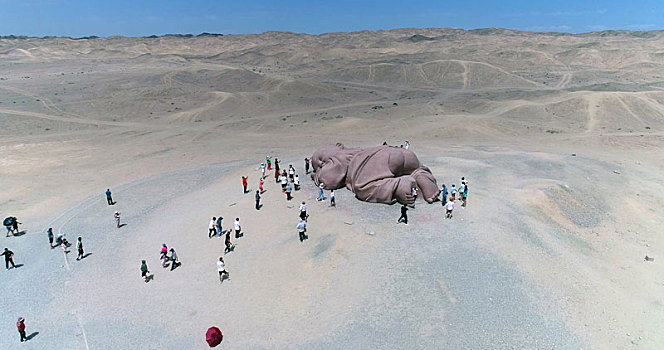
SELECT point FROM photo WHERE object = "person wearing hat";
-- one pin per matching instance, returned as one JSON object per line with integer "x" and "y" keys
{"x": 145, "y": 271}
{"x": 20, "y": 325}
{"x": 117, "y": 218}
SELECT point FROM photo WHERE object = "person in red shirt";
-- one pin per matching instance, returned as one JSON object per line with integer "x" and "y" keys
{"x": 244, "y": 184}
{"x": 21, "y": 328}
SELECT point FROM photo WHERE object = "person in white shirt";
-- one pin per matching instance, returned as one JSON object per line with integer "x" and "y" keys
{"x": 291, "y": 172}
{"x": 302, "y": 229}
{"x": 453, "y": 192}
{"x": 223, "y": 274}
{"x": 284, "y": 181}
{"x": 296, "y": 182}
{"x": 303, "y": 211}
{"x": 448, "y": 209}
{"x": 238, "y": 228}
{"x": 333, "y": 202}
{"x": 263, "y": 170}
{"x": 212, "y": 229}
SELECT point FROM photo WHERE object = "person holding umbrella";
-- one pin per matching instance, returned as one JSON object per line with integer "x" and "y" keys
{"x": 213, "y": 336}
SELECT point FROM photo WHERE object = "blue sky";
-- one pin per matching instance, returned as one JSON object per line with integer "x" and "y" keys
{"x": 145, "y": 17}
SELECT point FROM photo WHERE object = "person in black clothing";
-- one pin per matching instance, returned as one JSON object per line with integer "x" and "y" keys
{"x": 9, "y": 258}
{"x": 404, "y": 215}
{"x": 50, "y": 236}
{"x": 306, "y": 165}
{"x": 258, "y": 200}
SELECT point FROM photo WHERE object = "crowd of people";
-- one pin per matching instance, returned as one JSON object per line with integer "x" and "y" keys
{"x": 289, "y": 181}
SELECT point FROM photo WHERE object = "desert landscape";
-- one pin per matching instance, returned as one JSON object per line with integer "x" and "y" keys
{"x": 561, "y": 138}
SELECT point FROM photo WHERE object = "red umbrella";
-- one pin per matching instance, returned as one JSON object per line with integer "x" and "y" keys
{"x": 213, "y": 336}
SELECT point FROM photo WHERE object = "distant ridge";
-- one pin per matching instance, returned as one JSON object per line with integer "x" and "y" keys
{"x": 414, "y": 38}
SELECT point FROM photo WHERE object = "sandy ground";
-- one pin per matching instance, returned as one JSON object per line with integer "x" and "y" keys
{"x": 560, "y": 137}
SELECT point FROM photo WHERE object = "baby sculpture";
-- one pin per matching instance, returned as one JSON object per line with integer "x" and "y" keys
{"x": 382, "y": 174}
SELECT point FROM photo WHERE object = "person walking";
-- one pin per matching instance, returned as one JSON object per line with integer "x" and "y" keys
{"x": 321, "y": 194}
{"x": 291, "y": 172}
{"x": 145, "y": 271}
{"x": 15, "y": 225}
{"x": 333, "y": 203}
{"x": 163, "y": 255}
{"x": 109, "y": 199}
{"x": 296, "y": 182}
{"x": 221, "y": 267}
{"x": 49, "y": 232}
{"x": 211, "y": 227}
{"x": 229, "y": 245}
{"x": 9, "y": 258}
{"x": 413, "y": 191}
{"x": 306, "y": 165}
{"x": 268, "y": 160}
{"x": 302, "y": 230}
{"x": 116, "y": 216}
{"x": 453, "y": 192}
{"x": 79, "y": 248}
{"x": 276, "y": 175}
{"x": 443, "y": 192}
{"x": 263, "y": 170}
{"x": 218, "y": 226}
{"x": 303, "y": 211}
{"x": 462, "y": 187}
{"x": 288, "y": 191}
{"x": 464, "y": 196}
{"x": 448, "y": 208}
{"x": 20, "y": 325}
{"x": 238, "y": 228}
{"x": 404, "y": 215}
{"x": 276, "y": 164}
{"x": 260, "y": 186}
{"x": 174, "y": 260}
{"x": 244, "y": 184}
{"x": 258, "y": 200}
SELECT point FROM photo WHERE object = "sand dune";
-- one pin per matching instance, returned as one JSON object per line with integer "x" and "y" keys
{"x": 560, "y": 136}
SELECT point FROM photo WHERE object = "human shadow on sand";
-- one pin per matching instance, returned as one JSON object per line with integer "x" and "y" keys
{"x": 122, "y": 225}
{"x": 32, "y": 335}
{"x": 20, "y": 233}
{"x": 86, "y": 255}
{"x": 18, "y": 265}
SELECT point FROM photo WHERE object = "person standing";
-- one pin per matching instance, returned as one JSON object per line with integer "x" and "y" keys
{"x": 269, "y": 162}
{"x": 289, "y": 189}
{"x": 49, "y": 232}
{"x": 464, "y": 196}
{"x": 291, "y": 172}
{"x": 413, "y": 191}
{"x": 462, "y": 187}
{"x": 145, "y": 271}
{"x": 443, "y": 191}
{"x": 260, "y": 186}
{"x": 109, "y": 199}
{"x": 276, "y": 164}
{"x": 453, "y": 192}
{"x": 163, "y": 255}
{"x": 303, "y": 211}
{"x": 258, "y": 200}
{"x": 284, "y": 181}
{"x": 407, "y": 146}
{"x": 211, "y": 228}
{"x": 262, "y": 170}
{"x": 404, "y": 215}
{"x": 321, "y": 194}
{"x": 302, "y": 230}
{"x": 244, "y": 184}
{"x": 15, "y": 225}
{"x": 238, "y": 228}
{"x": 174, "y": 260}
{"x": 448, "y": 208}
{"x": 306, "y": 165}
{"x": 20, "y": 325}
{"x": 276, "y": 175}
{"x": 296, "y": 183}
{"x": 333, "y": 203}
{"x": 79, "y": 247}
{"x": 218, "y": 226}
{"x": 221, "y": 267}
{"x": 116, "y": 216}
{"x": 9, "y": 258}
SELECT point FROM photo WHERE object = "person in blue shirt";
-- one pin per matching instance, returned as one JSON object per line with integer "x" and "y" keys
{"x": 109, "y": 199}
{"x": 443, "y": 191}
